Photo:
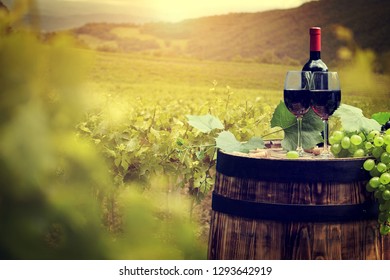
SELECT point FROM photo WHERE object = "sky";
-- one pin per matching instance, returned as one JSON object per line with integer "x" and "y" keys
{"x": 168, "y": 10}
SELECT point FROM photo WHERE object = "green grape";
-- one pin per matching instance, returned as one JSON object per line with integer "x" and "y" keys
{"x": 292, "y": 154}
{"x": 374, "y": 182}
{"x": 369, "y": 188}
{"x": 385, "y": 178}
{"x": 386, "y": 139}
{"x": 358, "y": 153}
{"x": 338, "y": 135}
{"x": 363, "y": 136}
{"x": 377, "y": 152}
{"x": 386, "y": 195}
{"x": 384, "y": 229}
{"x": 374, "y": 172}
{"x": 382, "y": 217}
{"x": 371, "y": 136}
{"x": 368, "y": 146}
{"x": 332, "y": 140}
{"x": 369, "y": 164}
{"x": 345, "y": 142}
{"x": 378, "y": 195}
{"x": 381, "y": 167}
{"x": 384, "y": 206}
{"x": 379, "y": 141}
{"x": 387, "y": 132}
{"x": 388, "y": 149}
{"x": 385, "y": 157}
{"x": 335, "y": 149}
{"x": 356, "y": 139}
{"x": 352, "y": 149}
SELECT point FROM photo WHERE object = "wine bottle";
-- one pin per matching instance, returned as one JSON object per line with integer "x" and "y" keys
{"x": 315, "y": 63}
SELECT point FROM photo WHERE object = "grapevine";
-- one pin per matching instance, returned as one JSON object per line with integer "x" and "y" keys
{"x": 158, "y": 138}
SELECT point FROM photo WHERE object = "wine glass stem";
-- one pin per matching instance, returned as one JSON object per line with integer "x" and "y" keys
{"x": 299, "y": 145}
{"x": 326, "y": 151}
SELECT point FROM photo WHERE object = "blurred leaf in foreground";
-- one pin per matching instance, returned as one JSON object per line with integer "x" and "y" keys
{"x": 57, "y": 195}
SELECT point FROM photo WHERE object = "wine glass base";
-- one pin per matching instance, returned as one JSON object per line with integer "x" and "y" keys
{"x": 302, "y": 153}
{"x": 326, "y": 154}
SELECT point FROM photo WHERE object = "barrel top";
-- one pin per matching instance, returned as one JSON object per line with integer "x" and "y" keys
{"x": 274, "y": 166}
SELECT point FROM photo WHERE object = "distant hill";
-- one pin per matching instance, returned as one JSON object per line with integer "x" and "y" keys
{"x": 273, "y": 35}
{"x": 55, "y": 23}
{"x": 283, "y": 31}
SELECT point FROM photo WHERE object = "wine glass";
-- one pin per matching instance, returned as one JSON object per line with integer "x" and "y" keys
{"x": 325, "y": 99}
{"x": 297, "y": 99}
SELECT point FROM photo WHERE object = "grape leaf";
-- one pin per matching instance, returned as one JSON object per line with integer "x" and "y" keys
{"x": 352, "y": 119}
{"x": 205, "y": 123}
{"x": 252, "y": 144}
{"x": 228, "y": 142}
{"x": 311, "y": 128}
{"x": 282, "y": 117}
{"x": 381, "y": 117}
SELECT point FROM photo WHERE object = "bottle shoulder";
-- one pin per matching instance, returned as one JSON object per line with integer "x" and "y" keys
{"x": 315, "y": 65}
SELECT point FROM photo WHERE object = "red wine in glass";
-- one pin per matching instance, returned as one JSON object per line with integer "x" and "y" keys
{"x": 325, "y": 99}
{"x": 297, "y": 101}
{"x": 297, "y": 98}
{"x": 325, "y": 102}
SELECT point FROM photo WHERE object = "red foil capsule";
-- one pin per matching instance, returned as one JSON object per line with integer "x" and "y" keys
{"x": 315, "y": 39}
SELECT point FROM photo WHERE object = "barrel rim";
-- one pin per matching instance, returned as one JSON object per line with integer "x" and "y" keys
{"x": 354, "y": 159}
{"x": 341, "y": 170}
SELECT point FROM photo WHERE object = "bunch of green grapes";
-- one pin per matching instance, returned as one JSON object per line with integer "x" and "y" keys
{"x": 379, "y": 168}
{"x": 345, "y": 144}
{"x": 376, "y": 146}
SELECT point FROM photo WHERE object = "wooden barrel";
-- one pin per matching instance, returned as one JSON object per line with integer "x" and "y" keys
{"x": 267, "y": 208}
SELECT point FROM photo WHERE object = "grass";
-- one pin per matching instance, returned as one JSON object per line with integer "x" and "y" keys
{"x": 162, "y": 72}
{"x": 173, "y": 77}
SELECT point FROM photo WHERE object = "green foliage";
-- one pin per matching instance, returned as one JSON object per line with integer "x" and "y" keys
{"x": 381, "y": 117}
{"x": 311, "y": 128}
{"x": 225, "y": 140}
{"x": 205, "y": 123}
{"x": 155, "y": 224}
{"x": 228, "y": 142}
{"x": 59, "y": 199}
{"x": 48, "y": 208}
{"x": 352, "y": 119}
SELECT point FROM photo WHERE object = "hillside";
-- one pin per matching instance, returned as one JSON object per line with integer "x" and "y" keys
{"x": 265, "y": 36}
{"x": 54, "y": 23}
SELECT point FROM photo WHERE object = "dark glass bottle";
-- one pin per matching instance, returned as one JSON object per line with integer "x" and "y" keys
{"x": 315, "y": 63}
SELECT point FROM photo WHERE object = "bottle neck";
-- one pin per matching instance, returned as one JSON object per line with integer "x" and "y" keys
{"x": 315, "y": 55}
{"x": 315, "y": 43}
